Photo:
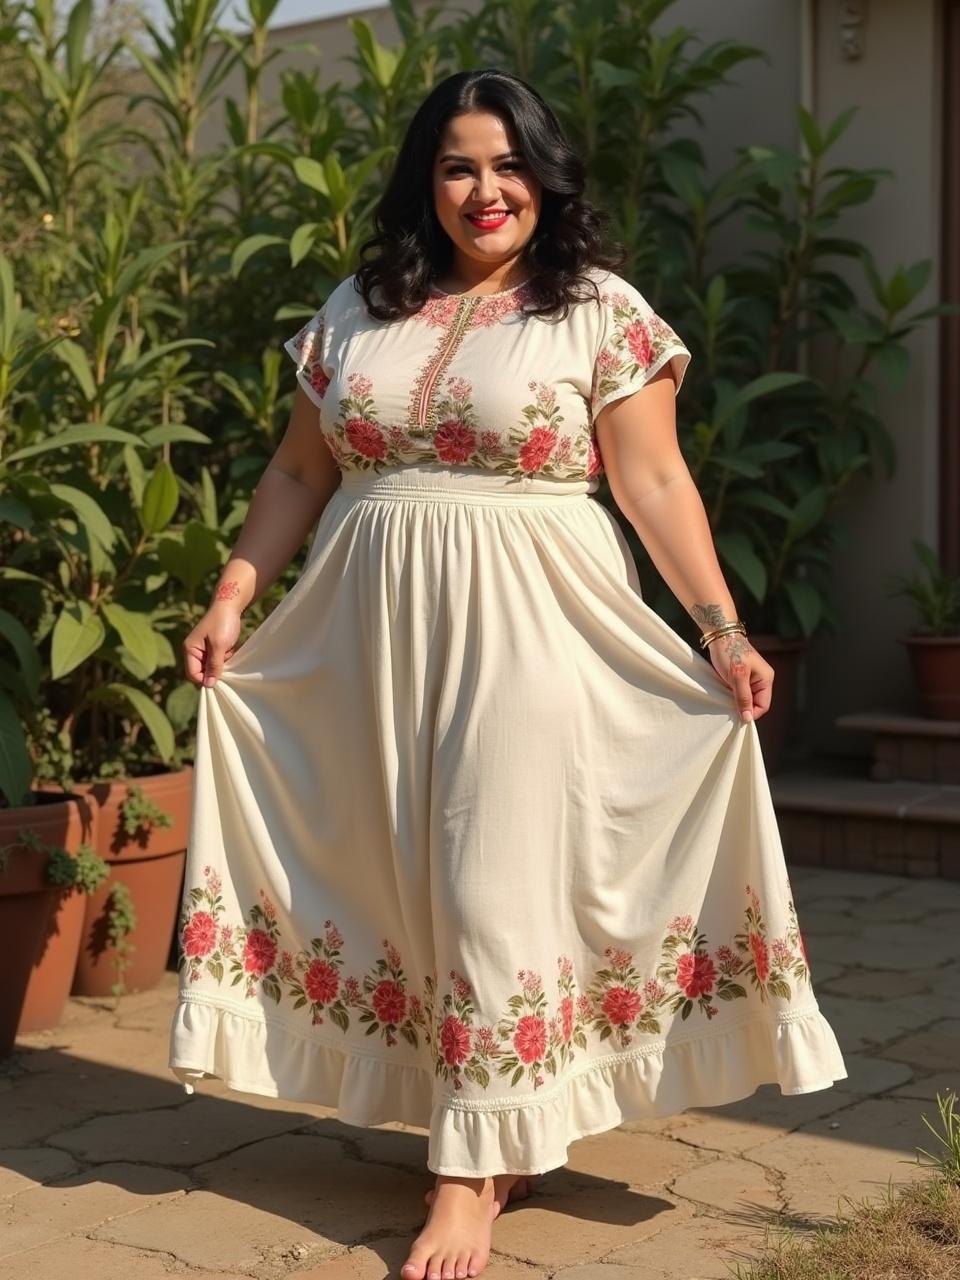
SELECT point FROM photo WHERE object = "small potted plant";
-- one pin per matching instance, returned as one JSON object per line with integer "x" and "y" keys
{"x": 44, "y": 852}
{"x": 75, "y": 875}
{"x": 144, "y": 845}
{"x": 934, "y": 644}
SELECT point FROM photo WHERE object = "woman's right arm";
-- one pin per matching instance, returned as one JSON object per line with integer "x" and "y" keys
{"x": 296, "y": 485}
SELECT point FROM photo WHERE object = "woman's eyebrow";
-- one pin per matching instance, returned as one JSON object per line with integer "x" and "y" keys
{"x": 506, "y": 155}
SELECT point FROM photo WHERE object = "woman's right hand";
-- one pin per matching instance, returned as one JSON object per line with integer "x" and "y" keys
{"x": 210, "y": 643}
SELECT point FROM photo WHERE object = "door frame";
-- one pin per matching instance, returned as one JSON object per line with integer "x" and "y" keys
{"x": 949, "y": 425}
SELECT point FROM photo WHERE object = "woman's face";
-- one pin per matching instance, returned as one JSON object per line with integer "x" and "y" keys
{"x": 479, "y": 168}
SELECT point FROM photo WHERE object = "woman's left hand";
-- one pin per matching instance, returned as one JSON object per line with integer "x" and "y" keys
{"x": 745, "y": 672}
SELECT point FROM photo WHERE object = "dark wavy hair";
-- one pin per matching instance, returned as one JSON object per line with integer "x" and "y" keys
{"x": 411, "y": 247}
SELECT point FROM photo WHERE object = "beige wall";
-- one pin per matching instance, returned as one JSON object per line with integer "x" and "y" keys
{"x": 897, "y": 127}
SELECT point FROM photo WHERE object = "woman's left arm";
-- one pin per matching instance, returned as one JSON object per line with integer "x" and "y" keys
{"x": 652, "y": 485}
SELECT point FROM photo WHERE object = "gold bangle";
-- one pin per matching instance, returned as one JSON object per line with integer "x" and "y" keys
{"x": 725, "y": 629}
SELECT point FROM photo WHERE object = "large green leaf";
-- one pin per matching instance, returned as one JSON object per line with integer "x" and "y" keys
{"x": 158, "y": 726}
{"x": 15, "y": 512}
{"x": 736, "y": 550}
{"x": 92, "y": 515}
{"x": 766, "y": 385}
{"x": 807, "y": 603}
{"x": 136, "y": 632}
{"x": 22, "y": 645}
{"x": 160, "y": 498}
{"x": 84, "y": 434}
{"x": 191, "y": 558}
{"x": 15, "y": 767}
{"x": 182, "y": 702}
{"x": 174, "y": 433}
{"x": 312, "y": 174}
{"x": 75, "y": 358}
{"x": 246, "y": 249}
{"x": 77, "y": 634}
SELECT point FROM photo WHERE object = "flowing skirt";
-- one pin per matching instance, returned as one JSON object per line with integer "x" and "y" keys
{"x": 480, "y": 844}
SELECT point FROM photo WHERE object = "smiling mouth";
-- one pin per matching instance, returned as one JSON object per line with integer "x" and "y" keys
{"x": 483, "y": 218}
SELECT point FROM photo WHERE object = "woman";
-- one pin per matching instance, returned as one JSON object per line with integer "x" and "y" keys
{"x": 480, "y": 843}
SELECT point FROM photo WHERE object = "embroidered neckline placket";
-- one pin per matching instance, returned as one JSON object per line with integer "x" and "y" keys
{"x": 423, "y": 415}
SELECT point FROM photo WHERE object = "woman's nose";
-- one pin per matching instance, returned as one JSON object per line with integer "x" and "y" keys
{"x": 488, "y": 189}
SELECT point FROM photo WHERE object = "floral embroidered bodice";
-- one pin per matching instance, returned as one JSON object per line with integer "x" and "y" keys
{"x": 473, "y": 381}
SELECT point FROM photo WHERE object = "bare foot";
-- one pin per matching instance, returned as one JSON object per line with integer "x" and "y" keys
{"x": 517, "y": 1190}
{"x": 455, "y": 1240}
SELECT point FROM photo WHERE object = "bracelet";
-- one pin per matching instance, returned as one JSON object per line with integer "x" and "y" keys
{"x": 724, "y": 629}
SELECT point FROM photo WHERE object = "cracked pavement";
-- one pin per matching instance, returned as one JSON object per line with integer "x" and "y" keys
{"x": 107, "y": 1168}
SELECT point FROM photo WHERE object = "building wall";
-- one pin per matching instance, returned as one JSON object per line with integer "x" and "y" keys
{"x": 897, "y": 127}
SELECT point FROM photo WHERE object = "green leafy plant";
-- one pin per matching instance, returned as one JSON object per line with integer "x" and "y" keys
{"x": 947, "y": 1161}
{"x": 934, "y": 593}
{"x": 84, "y": 869}
{"x": 139, "y": 812}
{"x": 121, "y": 921}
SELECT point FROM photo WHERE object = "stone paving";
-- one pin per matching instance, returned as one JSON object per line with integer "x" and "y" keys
{"x": 107, "y": 1169}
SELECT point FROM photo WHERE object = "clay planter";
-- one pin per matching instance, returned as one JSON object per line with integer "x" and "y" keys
{"x": 40, "y": 922}
{"x": 773, "y": 729}
{"x": 151, "y": 865}
{"x": 936, "y": 673}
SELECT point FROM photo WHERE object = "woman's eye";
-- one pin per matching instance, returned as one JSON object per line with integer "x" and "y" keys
{"x": 462, "y": 168}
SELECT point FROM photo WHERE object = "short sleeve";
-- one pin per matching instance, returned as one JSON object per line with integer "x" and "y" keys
{"x": 633, "y": 344}
{"x": 308, "y": 348}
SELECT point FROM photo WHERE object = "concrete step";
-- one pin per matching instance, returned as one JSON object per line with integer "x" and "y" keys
{"x": 860, "y": 824}
{"x": 911, "y": 748}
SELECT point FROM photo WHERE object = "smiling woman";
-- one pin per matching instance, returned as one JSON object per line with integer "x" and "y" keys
{"x": 486, "y": 199}
{"x": 480, "y": 843}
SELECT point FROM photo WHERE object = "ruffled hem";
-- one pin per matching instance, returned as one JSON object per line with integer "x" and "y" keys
{"x": 482, "y": 1137}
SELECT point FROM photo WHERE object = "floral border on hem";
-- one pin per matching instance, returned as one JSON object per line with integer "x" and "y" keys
{"x": 532, "y": 1037}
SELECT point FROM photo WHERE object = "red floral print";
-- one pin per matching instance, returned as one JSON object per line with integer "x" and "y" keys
{"x": 200, "y": 934}
{"x": 621, "y": 1006}
{"x": 389, "y": 1002}
{"x": 536, "y": 1037}
{"x": 445, "y": 421}
{"x": 638, "y": 340}
{"x": 366, "y": 437}
{"x": 566, "y": 1018}
{"x": 770, "y": 964}
{"x": 530, "y": 1038}
{"x": 634, "y": 347}
{"x": 454, "y": 1040}
{"x": 454, "y": 442}
{"x": 696, "y": 973}
{"x": 321, "y": 982}
{"x": 259, "y": 952}
{"x": 534, "y": 454}
{"x": 318, "y": 379}
{"x": 761, "y": 956}
{"x": 594, "y": 461}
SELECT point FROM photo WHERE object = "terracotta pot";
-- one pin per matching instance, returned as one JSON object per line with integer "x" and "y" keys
{"x": 936, "y": 672}
{"x": 773, "y": 729}
{"x": 151, "y": 864}
{"x": 39, "y": 922}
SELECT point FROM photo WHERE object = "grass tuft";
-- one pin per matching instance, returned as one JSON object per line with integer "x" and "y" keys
{"x": 913, "y": 1234}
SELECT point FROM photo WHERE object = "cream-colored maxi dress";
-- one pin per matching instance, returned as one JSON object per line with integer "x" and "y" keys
{"x": 479, "y": 843}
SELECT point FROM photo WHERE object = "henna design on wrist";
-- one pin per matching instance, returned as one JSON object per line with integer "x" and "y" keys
{"x": 227, "y": 590}
{"x": 708, "y": 616}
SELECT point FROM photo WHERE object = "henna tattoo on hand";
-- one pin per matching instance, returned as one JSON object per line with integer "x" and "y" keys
{"x": 735, "y": 647}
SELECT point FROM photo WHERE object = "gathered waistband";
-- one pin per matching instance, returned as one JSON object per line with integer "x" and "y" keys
{"x": 433, "y": 483}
